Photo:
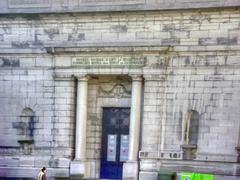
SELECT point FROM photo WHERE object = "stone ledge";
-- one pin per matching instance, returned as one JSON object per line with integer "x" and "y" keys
{"x": 220, "y": 168}
{"x": 153, "y": 175}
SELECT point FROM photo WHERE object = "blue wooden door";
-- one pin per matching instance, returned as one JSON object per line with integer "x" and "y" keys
{"x": 115, "y": 135}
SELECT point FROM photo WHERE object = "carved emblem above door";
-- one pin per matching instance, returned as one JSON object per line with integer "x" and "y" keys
{"x": 118, "y": 90}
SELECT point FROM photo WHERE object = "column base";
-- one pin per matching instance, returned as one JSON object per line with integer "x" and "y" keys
{"x": 130, "y": 170}
{"x": 79, "y": 169}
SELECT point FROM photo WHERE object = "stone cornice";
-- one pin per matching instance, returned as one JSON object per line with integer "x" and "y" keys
{"x": 75, "y": 6}
{"x": 139, "y": 48}
{"x": 110, "y": 48}
{"x": 114, "y": 48}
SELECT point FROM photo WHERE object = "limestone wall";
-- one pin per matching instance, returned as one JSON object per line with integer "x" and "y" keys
{"x": 27, "y": 82}
{"x": 187, "y": 28}
{"x": 191, "y": 62}
{"x": 206, "y": 83}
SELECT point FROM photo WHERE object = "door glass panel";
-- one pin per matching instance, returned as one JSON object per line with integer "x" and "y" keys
{"x": 112, "y": 144}
{"x": 124, "y": 148}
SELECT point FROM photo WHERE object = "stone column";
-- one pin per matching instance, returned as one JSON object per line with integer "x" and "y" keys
{"x": 81, "y": 119}
{"x": 79, "y": 166}
{"x": 130, "y": 169}
{"x": 135, "y": 118}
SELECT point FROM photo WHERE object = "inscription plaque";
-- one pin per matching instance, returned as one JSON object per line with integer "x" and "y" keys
{"x": 29, "y": 3}
{"x": 107, "y": 62}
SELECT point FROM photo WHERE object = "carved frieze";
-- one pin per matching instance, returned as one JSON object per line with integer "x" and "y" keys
{"x": 118, "y": 90}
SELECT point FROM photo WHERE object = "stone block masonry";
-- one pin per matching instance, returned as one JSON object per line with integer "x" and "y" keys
{"x": 171, "y": 28}
{"x": 189, "y": 61}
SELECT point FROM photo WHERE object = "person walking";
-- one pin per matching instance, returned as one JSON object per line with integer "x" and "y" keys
{"x": 42, "y": 174}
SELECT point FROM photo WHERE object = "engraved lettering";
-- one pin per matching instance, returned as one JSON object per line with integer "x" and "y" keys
{"x": 118, "y": 61}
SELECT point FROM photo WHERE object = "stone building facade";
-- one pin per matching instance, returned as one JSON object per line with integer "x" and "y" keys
{"x": 166, "y": 72}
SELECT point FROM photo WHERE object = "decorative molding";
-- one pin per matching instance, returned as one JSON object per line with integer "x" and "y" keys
{"x": 136, "y": 47}
{"x": 133, "y": 47}
{"x": 136, "y": 77}
{"x": 117, "y": 91}
{"x": 82, "y": 77}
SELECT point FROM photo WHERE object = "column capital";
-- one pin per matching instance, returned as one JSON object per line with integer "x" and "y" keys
{"x": 82, "y": 77}
{"x": 136, "y": 77}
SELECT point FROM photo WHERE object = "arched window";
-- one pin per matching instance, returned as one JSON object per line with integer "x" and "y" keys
{"x": 190, "y": 134}
{"x": 27, "y": 124}
{"x": 190, "y": 127}
{"x": 194, "y": 125}
{"x": 25, "y": 130}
